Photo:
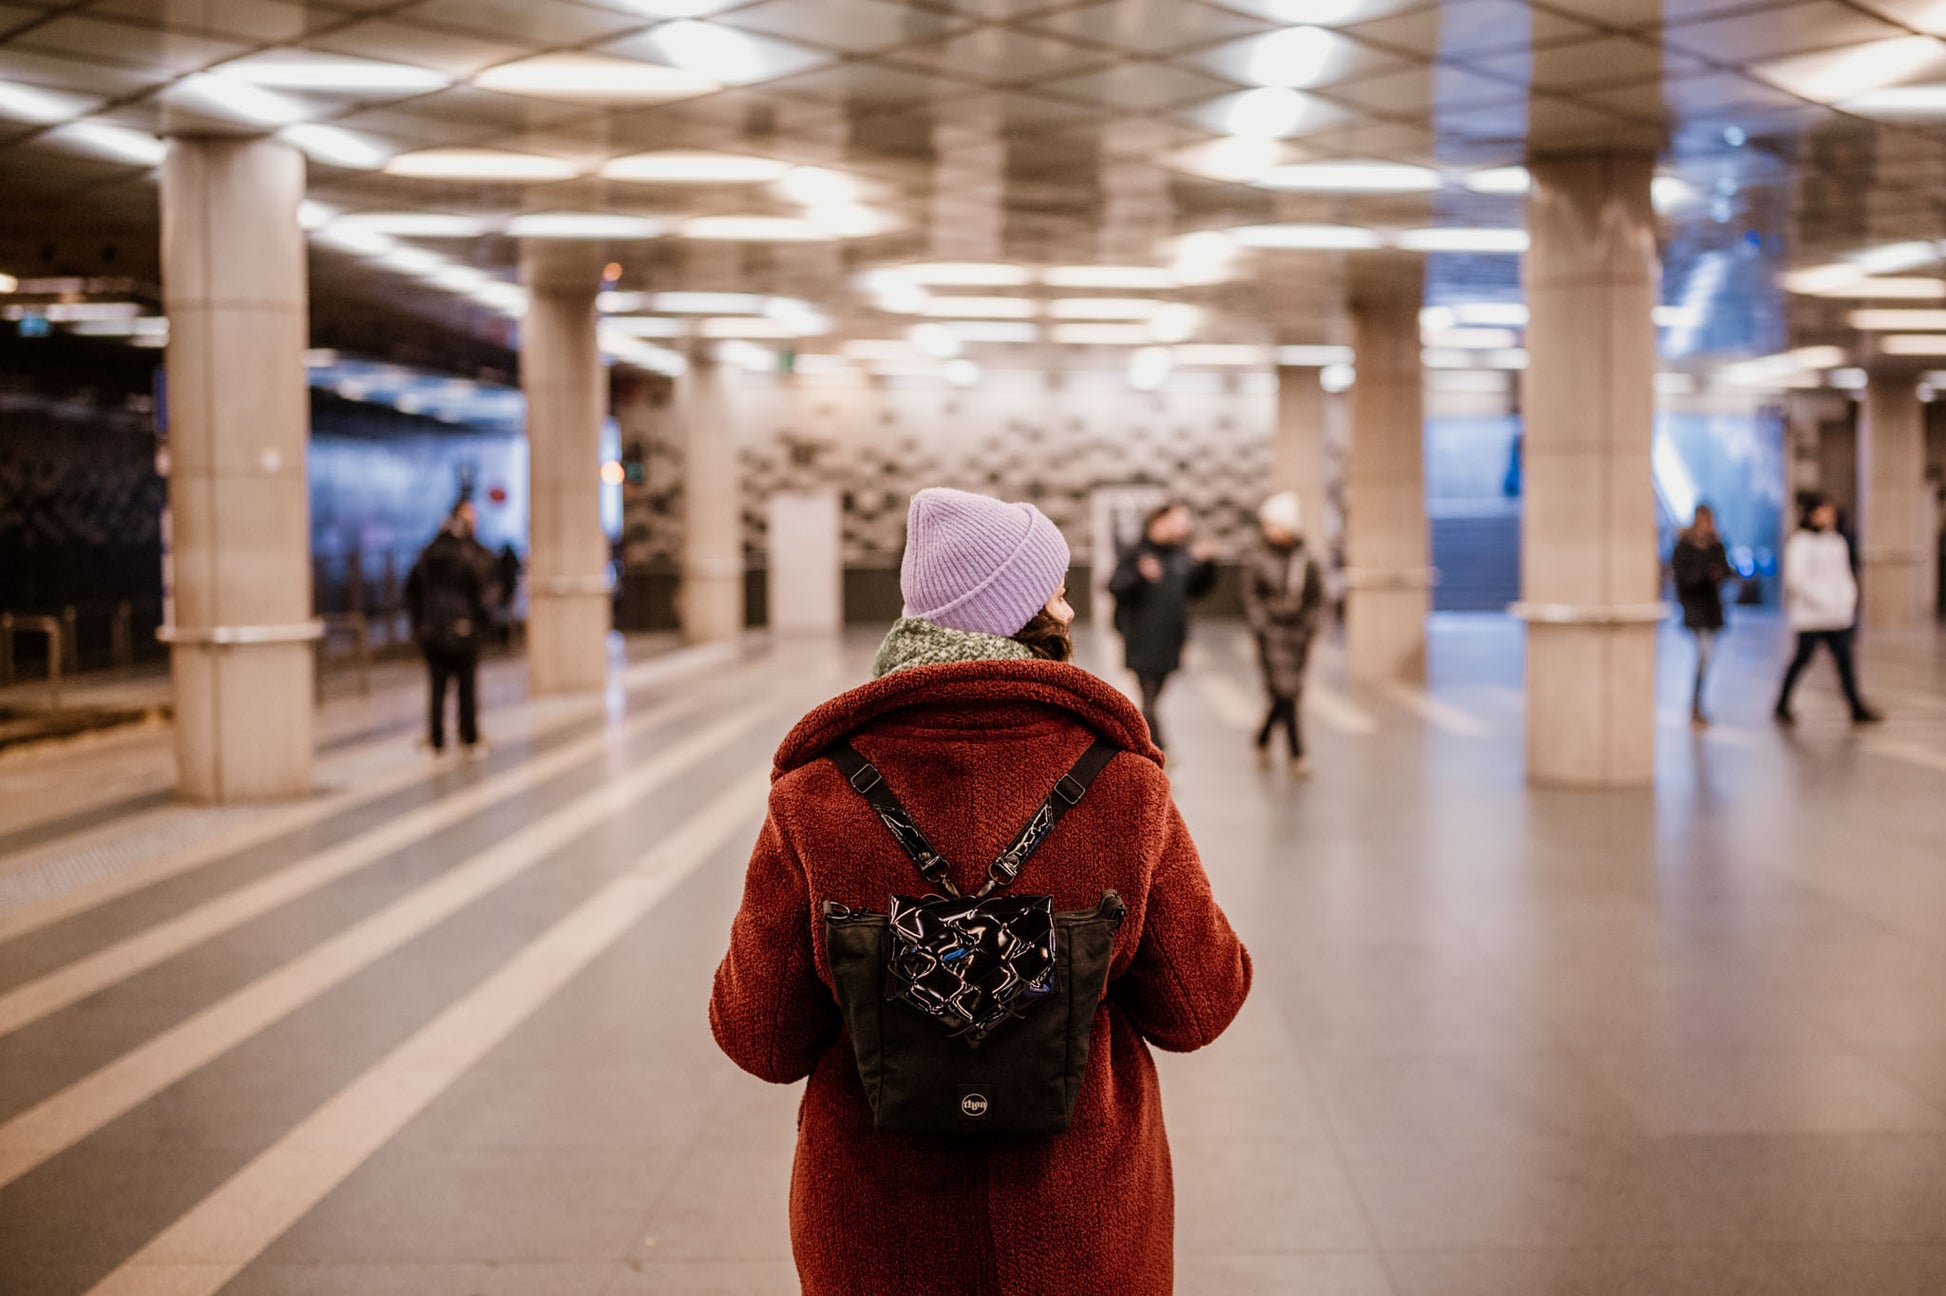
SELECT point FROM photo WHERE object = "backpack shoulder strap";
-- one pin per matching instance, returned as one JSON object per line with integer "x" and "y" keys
{"x": 1065, "y": 795}
{"x": 870, "y": 784}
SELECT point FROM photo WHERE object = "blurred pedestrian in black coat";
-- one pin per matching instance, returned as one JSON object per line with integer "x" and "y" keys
{"x": 1153, "y": 585}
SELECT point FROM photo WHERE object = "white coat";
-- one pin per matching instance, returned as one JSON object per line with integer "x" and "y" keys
{"x": 1820, "y": 593}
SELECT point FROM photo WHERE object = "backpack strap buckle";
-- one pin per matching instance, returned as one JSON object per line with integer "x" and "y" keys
{"x": 864, "y": 779}
{"x": 1071, "y": 789}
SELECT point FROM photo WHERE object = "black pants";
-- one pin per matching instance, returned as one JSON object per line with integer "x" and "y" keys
{"x": 1839, "y": 642}
{"x": 463, "y": 667}
{"x": 1151, "y": 694}
{"x": 1283, "y": 711}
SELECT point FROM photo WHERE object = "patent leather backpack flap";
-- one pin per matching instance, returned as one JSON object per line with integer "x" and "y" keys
{"x": 971, "y": 965}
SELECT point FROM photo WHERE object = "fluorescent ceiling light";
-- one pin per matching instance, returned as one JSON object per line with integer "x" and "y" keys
{"x": 1891, "y": 258}
{"x": 936, "y": 340}
{"x": 582, "y": 225}
{"x": 1175, "y": 322}
{"x": 336, "y": 146}
{"x": 619, "y": 302}
{"x": 412, "y": 261}
{"x": 981, "y": 307}
{"x": 1913, "y": 344}
{"x": 682, "y": 167}
{"x": 722, "y": 54}
{"x": 306, "y": 70}
{"x": 817, "y": 186}
{"x": 8, "y": 283}
{"x": 1104, "y": 308}
{"x": 895, "y": 291}
{"x": 1676, "y": 316}
{"x": 239, "y": 99}
{"x": 593, "y": 76}
{"x": 746, "y": 326}
{"x": 881, "y": 348}
{"x": 1451, "y": 239}
{"x": 1108, "y": 276}
{"x": 510, "y": 298}
{"x": 1292, "y": 57}
{"x": 707, "y": 303}
{"x": 312, "y": 214}
{"x": 755, "y": 229}
{"x": 119, "y": 143}
{"x": 33, "y": 104}
{"x": 961, "y": 372}
{"x": 1499, "y": 180}
{"x": 1889, "y": 321}
{"x": 1823, "y": 280}
{"x": 1667, "y": 193}
{"x": 1888, "y": 289}
{"x": 1204, "y": 257}
{"x": 353, "y": 239}
{"x": 140, "y": 326}
{"x": 1675, "y": 383}
{"x": 1101, "y": 335}
{"x": 1148, "y": 366}
{"x": 1305, "y": 237}
{"x": 1266, "y": 112}
{"x": 801, "y": 317}
{"x": 1473, "y": 339}
{"x": 413, "y": 224}
{"x": 1459, "y": 358}
{"x": 480, "y": 164}
{"x": 1313, "y": 11}
{"x": 1899, "y": 101}
{"x": 994, "y": 330}
{"x": 1312, "y": 357}
{"x": 70, "y": 312}
{"x": 847, "y": 219}
{"x": 1234, "y": 157}
{"x": 1219, "y": 356}
{"x": 1830, "y": 76}
{"x": 1490, "y": 314}
{"x": 459, "y": 278}
{"x": 1351, "y": 177}
{"x": 659, "y": 326}
{"x": 966, "y": 274}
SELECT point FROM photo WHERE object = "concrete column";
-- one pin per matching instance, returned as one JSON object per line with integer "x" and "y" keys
{"x": 1297, "y": 461}
{"x": 242, "y": 633}
{"x": 711, "y": 602}
{"x": 1387, "y": 574}
{"x": 1894, "y": 515}
{"x": 568, "y": 608}
{"x": 1589, "y": 566}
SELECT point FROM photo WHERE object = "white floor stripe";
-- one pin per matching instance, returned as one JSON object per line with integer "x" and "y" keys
{"x": 35, "y": 999}
{"x": 1911, "y": 753}
{"x": 679, "y": 664}
{"x": 228, "y": 1229}
{"x": 1438, "y": 714}
{"x": 63, "y": 1119}
{"x": 1337, "y": 711}
{"x": 1231, "y": 702}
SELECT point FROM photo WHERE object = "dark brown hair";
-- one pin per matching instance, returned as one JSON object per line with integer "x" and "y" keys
{"x": 1046, "y": 637}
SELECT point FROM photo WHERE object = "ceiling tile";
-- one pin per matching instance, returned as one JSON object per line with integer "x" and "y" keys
{"x": 1632, "y": 15}
{"x": 1138, "y": 87}
{"x": 1778, "y": 30}
{"x": 1147, "y": 26}
{"x": 126, "y": 44}
{"x": 251, "y": 21}
{"x": 452, "y": 54}
{"x": 1606, "y": 60}
{"x": 1923, "y": 15}
{"x": 1411, "y": 93}
{"x": 1347, "y": 58}
{"x": 1004, "y": 56}
{"x": 1720, "y": 92}
{"x": 854, "y": 26}
{"x": 75, "y": 75}
{"x": 870, "y": 86}
{"x": 534, "y": 22}
{"x": 1469, "y": 27}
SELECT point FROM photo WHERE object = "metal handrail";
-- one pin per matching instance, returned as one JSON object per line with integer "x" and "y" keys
{"x": 10, "y": 625}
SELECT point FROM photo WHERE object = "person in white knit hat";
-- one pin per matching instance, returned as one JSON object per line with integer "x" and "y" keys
{"x": 1283, "y": 595}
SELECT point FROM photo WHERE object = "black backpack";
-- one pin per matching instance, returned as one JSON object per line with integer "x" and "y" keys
{"x": 971, "y": 1014}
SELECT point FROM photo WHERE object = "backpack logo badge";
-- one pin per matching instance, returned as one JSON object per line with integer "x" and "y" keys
{"x": 973, "y": 1105}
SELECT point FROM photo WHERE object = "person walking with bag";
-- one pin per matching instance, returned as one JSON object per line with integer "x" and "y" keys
{"x": 446, "y": 597}
{"x": 875, "y": 945}
{"x": 1700, "y": 566}
{"x": 1153, "y": 585}
{"x": 1821, "y": 602}
{"x": 1283, "y": 595}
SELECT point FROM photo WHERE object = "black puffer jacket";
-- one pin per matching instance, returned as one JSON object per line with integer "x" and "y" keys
{"x": 1153, "y": 616}
{"x": 1700, "y": 570}
{"x": 446, "y": 594}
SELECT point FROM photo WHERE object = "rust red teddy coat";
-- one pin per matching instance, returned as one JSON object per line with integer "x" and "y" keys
{"x": 971, "y": 748}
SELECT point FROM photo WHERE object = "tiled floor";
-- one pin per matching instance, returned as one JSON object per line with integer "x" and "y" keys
{"x": 440, "y": 1031}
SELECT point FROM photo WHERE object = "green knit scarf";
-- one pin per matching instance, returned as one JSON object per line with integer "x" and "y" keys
{"x": 915, "y": 642}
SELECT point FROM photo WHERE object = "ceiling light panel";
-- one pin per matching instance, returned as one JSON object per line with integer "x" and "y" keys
{"x": 1135, "y": 335}
{"x": 33, "y": 104}
{"x": 981, "y": 307}
{"x": 1351, "y": 177}
{"x": 583, "y": 225}
{"x": 1306, "y": 237}
{"x": 1454, "y": 239}
{"x": 722, "y": 54}
{"x": 967, "y": 274}
{"x": 480, "y": 164}
{"x": 684, "y": 167}
{"x": 998, "y": 331}
{"x": 1886, "y": 321}
{"x": 336, "y": 146}
{"x": 1913, "y": 344}
{"x": 236, "y": 99}
{"x": 1104, "y": 308}
{"x": 413, "y": 224}
{"x": 706, "y": 303}
{"x": 1885, "y": 289}
{"x": 594, "y": 77}
{"x": 1108, "y": 276}
{"x": 330, "y": 73}
{"x": 756, "y": 229}
{"x": 116, "y": 143}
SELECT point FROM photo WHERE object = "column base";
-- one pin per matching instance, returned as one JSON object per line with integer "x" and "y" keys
{"x": 1385, "y": 634}
{"x": 1591, "y": 714}
{"x": 711, "y": 606}
{"x": 1893, "y": 593}
{"x": 567, "y": 641}
{"x": 244, "y": 720}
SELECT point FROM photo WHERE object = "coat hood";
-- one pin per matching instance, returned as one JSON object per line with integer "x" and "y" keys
{"x": 1091, "y": 699}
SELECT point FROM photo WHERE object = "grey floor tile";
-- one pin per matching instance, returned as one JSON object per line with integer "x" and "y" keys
{"x": 706, "y": 1278}
{"x": 1828, "y": 1188}
{"x": 1265, "y": 1197}
{"x": 1644, "y": 1271}
{"x": 422, "y": 1280}
{"x": 1864, "y": 1270}
{"x": 1318, "y": 1273}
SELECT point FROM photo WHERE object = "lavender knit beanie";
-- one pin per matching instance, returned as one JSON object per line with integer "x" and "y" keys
{"x": 975, "y": 563}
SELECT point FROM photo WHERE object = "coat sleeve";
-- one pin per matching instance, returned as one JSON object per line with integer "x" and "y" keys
{"x": 1127, "y": 581}
{"x": 1202, "y": 578}
{"x": 1255, "y": 609}
{"x": 769, "y": 1011}
{"x": 1190, "y": 974}
{"x": 1312, "y": 606}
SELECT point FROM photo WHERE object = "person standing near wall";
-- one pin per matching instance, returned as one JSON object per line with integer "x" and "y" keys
{"x": 1821, "y": 600}
{"x": 1283, "y": 593}
{"x": 1153, "y": 586}
{"x": 1700, "y": 566}
{"x": 446, "y": 597}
